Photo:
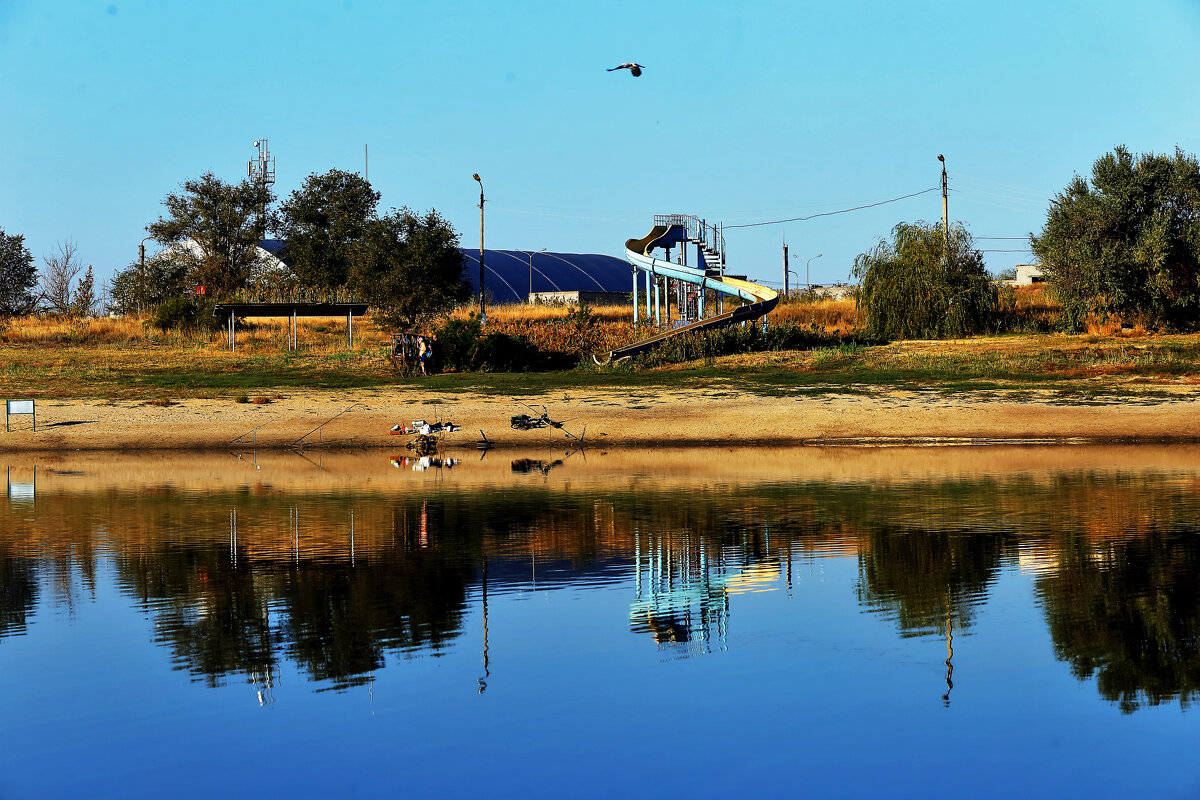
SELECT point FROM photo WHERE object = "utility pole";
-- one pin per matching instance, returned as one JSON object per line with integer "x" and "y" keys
{"x": 785, "y": 270}
{"x": 945, "y": 201}
{"x": 141, "y": 294}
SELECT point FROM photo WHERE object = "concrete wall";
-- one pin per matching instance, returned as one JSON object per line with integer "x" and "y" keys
{"x": 574, "y": 298}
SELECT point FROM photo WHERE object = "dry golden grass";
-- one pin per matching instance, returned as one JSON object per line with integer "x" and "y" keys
{"x": 832, "y": 316}
{"x": 521, "y": 313}
{"x": 260, "y": 335}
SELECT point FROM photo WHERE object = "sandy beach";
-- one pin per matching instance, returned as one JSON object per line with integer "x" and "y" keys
{"x": 362, "y": 419}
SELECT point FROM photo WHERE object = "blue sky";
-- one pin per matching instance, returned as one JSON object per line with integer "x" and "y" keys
{"x": 747, "y": 111}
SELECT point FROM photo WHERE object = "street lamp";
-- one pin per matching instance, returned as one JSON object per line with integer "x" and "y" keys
{"x": 529, "y": 297}
{"x": 807, "y": 277}
{"x": 482, "y": 311}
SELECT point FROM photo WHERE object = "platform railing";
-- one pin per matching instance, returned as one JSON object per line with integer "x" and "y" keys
{"x": 698, "y": 230}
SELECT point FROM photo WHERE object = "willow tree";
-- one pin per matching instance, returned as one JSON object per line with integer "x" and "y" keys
{"x": 923, "y": 285}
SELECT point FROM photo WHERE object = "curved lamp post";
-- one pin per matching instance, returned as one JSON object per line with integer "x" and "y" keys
{"x": 531, "y": 254}
{"x": 482, "y": 310}
{"x": 807, "y": 276}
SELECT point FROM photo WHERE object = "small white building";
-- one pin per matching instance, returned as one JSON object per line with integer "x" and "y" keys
{"x": 1029, "y": 274}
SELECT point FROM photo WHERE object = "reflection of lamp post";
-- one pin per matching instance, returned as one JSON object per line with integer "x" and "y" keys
{"x": 487, "y": 673}
{"x": 807, "y": 276}
{"x": 142, "y": 271}
{"x": 529, "y": 297}
{"x": 482, "y": 311}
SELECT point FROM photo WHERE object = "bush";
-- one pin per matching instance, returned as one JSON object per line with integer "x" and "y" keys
{"x": 186, "y": 313}
{"x": 748, "y": 338}
{"x": 466, "y": 348}
{"x": 457, "y": 339}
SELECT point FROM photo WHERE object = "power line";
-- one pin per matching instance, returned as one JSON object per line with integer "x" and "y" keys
{"x": 831, "y": 213}
{"x": 1005, "y": 238}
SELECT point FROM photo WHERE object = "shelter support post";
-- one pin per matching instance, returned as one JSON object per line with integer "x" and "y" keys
{"x": 349, "y": 331}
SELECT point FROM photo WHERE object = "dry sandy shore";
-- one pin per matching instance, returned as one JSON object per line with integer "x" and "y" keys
{"x": 612, "y": 418}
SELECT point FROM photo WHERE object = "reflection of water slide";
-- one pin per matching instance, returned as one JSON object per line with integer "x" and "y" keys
{"x": 707, "y": 274}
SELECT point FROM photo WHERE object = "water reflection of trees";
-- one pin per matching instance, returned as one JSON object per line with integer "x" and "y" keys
{"x": 341, "y": 585}
{"x": 222, "y": 611}
{"x": 928, "y": 580}
{"x": 1127, "y": 611}
{"x": 18, "y": 591}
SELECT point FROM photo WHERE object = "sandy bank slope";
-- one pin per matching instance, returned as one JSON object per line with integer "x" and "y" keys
{"x": 611, "y": 418}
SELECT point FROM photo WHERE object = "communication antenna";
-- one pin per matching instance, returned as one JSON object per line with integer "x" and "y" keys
{"x": 262, "y": 169}
{"x": 261, "y": 172}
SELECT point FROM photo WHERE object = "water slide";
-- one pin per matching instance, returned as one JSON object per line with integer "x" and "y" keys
{"x": 709, "y": 274}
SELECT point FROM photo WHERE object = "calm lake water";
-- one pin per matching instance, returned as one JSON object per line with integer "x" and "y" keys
{"x": 888, "y": 622}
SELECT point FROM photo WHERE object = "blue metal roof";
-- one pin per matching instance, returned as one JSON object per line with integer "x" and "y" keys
{"x": 272, "y": 246}
{"x": 508, "y": 272}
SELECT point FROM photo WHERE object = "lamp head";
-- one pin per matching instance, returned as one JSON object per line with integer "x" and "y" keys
{"x": 256, "y": 143}
{"x": 476, "y": 177}
{"x": 941, "y": 158}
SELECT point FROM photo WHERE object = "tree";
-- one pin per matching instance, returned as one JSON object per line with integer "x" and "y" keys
{"x": 135, "y": 289}
{"x": 85, "y": 295}
{"x": 321, "y": 221}
{"x": 224, "y": 222}
{"x": 18, "y": 277}
{"x": 921, "y": 286}
{"x": 409, "y": 268}
{"x": 1128, "y": 243}
{"x": 60, "y": 270}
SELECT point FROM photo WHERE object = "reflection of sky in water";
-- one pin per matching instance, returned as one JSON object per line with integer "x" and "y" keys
{"x": 762, "y": 637}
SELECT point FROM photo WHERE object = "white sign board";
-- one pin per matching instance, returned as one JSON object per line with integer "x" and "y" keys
{"x": 18, "y": 407}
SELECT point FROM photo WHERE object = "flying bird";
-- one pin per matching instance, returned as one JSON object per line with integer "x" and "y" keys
{"x": 634, "y": 68}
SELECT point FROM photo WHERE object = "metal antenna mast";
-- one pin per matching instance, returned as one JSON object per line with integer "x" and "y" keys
{"x": 261, "y": 172}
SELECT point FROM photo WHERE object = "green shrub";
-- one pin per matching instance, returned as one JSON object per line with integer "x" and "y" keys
{"x": 747, "y": 338}
{"x": 185, "y": 313}
{"x": 465, "y": 347}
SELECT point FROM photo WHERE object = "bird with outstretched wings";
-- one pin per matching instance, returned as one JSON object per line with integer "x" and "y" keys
{"x": 634, "y": 68}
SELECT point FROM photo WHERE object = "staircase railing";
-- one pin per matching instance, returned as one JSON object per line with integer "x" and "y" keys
{"x": 698, "y": 230}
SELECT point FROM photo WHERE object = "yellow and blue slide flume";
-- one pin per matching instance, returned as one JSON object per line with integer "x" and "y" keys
{"x": 688, "y": 230}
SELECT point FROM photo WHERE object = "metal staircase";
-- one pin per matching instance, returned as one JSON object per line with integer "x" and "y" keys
{"x": 685, "y": 230}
